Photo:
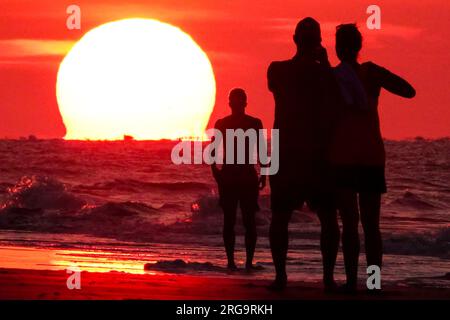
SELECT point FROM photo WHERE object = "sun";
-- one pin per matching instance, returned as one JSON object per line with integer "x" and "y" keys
{"x": 138, "y": 77}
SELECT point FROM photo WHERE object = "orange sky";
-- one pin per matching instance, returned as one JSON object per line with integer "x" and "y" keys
{"x": 241, "y": 38}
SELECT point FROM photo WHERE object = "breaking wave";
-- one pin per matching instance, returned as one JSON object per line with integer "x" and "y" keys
{"x": 411, "y": 200}
{"x": 426, "y": 244}
{"x": 45, "y": 204}
{"x": 131, "y": 185}
{"x": 40, "y": 193}
{"x": 180, "y": 266}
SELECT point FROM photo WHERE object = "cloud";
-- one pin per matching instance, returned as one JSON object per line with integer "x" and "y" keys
{"x": 110, "y": 11}
{"x": 32, "y": 47}
{"x": 225, "y": 55}
{"x": 399, "y": 31}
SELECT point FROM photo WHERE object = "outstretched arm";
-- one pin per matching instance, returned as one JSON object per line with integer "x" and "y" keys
{"x": 395, "y": 84}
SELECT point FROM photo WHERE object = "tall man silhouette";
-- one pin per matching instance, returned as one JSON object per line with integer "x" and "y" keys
{"x": 305, "y": 94}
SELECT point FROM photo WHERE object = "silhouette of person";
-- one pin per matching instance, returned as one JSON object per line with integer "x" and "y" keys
{"x": 357, "y": 151}
{"x": 305, "y": 93}
{"x": 238, "y": 184}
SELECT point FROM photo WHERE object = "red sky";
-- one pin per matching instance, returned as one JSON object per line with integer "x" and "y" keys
{"x": 241, "y": 38}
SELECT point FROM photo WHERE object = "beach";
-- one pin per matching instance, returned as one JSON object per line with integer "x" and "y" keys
{"x": 28, "y": 273}
{"x": 26, "y": 284}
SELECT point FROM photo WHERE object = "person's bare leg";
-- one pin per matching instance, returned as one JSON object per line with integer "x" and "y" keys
{"x": 329, "y": 244}
{"x": 370, "y": 205}
{"x": 348, "y": 209}
{"x": 248, "y": 217}
{"x": 229, "y": 235}
{"x": 279, "y": 240}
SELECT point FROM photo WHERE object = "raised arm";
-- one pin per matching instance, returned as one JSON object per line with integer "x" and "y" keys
{"x": 395, "y": 84}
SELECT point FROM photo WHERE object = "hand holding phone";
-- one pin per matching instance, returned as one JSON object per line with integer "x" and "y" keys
{"x": 321, "y": 55}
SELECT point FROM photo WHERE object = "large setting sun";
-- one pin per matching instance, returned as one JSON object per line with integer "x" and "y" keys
{"x": 137, "y": 77}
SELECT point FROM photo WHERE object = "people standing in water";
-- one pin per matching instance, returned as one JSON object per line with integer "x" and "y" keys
{"x": 239, "y": 184}
{"x": 357, "y": 151}
{"x": 305, "y": 92}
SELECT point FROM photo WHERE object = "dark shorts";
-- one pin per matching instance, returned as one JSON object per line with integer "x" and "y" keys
{"x": 287, "y": 195}
{"x": 239, "y": 188}
{"x": 360, "y": 178}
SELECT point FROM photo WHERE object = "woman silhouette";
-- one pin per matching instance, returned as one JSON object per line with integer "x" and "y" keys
{"x": 357, "y": 151}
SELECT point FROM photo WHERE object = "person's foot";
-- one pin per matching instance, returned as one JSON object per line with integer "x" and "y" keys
{"x": 279, "y": 284}
{"x": 330, "y": 287}
{"x": 374, "y": 292}
{"x": 232, "y": 267}
{"x": 350, "y": 289}
{"x": 253, "y": 267}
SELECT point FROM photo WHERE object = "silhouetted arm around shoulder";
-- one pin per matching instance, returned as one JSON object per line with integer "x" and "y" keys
{"x": 331, "y": 108}
{"x": 394, "y": 84}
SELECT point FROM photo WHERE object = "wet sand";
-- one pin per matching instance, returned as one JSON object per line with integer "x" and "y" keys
{"x": 52, "y": 284}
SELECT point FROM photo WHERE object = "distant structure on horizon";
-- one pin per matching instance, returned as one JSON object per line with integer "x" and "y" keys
{"x": 127, "y": 138}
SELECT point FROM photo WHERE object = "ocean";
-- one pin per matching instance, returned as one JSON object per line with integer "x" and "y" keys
{"x": 123, "y": 206}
